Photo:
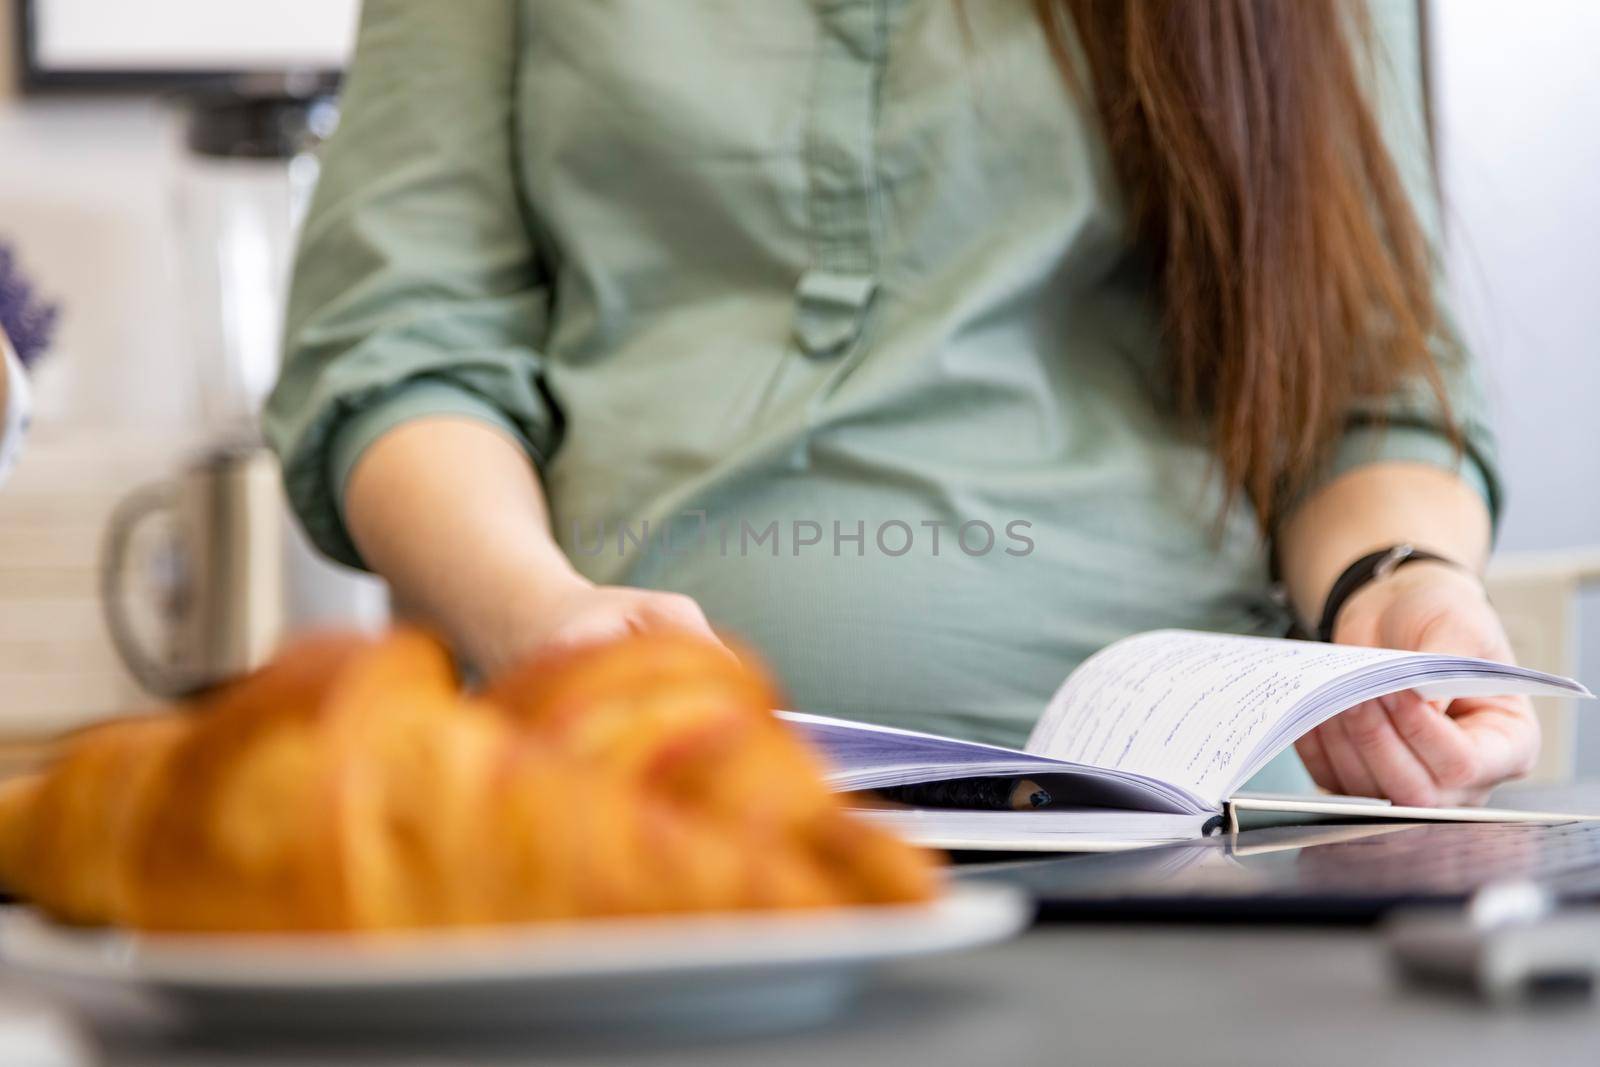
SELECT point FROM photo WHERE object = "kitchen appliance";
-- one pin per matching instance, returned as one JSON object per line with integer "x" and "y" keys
{"x": 242, "y": 190}
{"x": 202, "y": 575}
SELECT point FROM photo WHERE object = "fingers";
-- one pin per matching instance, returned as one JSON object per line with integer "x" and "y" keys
{"x": 677, "y": 611}
{"x": 1315, "y": 757}
{"x": 1395, "y": 768}
{"x": 1504, "y": 733}
{"x": 592, "y": 629}
{"x": 1361, "y": 753}
{"x": 609, "y": 614}
{"x": 1351, "y": 769}
{"x": 1452, "y": 760}
{"x": 1404, "y": 748}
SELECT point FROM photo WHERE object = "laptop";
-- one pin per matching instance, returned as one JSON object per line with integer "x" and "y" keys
{"x": 1341, "y": 873}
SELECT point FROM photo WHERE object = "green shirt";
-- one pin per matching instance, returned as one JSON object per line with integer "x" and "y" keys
{"x": 803, "y": 286}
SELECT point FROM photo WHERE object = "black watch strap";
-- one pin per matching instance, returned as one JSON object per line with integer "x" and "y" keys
{"x": 1367, "y": 569}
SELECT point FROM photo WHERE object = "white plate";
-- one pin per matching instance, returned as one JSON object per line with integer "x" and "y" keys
{"x": 744, "y": 971}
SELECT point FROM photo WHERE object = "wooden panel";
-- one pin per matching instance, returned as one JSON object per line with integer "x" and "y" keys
{"x": 46, "y": 582}
{"x": 1540, "y": 614}
{"x": 57, "y": 666}
{"x": 62, "y": 656}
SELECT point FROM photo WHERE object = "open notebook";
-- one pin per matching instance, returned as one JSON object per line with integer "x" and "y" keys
{"x": 1150, "y": 739}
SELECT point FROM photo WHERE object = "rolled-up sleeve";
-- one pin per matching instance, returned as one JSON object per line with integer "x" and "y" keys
{"x": 1412, "y": 425}
{"x": 417, "y": 289}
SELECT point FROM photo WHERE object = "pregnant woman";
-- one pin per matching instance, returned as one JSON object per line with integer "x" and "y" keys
{"x": 928, "y": 345}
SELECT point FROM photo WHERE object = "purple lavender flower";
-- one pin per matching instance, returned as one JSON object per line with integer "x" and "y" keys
{"x": 27, "y": 320}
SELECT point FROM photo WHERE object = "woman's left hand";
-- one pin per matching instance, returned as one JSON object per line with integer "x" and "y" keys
{"x": 1403, "y": 747}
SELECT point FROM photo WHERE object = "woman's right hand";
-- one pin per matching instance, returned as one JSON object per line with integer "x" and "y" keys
{"x": 578, "y": 613}
{"x": 450, "y": 511}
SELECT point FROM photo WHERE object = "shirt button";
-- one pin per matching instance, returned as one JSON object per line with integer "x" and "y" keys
{"x": 830, "y": 307}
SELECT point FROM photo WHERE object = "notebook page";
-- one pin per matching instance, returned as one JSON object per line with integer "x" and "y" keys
{"x": 1189, "y": 708}
{"x": 866, "y": 756}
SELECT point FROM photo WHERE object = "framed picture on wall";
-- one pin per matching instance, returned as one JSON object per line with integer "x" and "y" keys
{"x": 159, "y": 44}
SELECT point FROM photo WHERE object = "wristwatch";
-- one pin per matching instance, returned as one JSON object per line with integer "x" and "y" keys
{"x": 1371, "y": 568}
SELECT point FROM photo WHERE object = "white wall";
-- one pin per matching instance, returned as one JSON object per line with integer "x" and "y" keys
{"x": 87, "y": 195}
{"x": 1517, "y": 93}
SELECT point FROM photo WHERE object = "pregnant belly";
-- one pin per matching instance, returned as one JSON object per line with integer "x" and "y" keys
{"x": 967, "y": 645}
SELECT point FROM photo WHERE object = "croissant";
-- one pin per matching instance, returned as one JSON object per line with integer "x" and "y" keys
{"x": 352, "y": 785}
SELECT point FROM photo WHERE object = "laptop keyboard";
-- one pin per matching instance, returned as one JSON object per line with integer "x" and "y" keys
{"x": 1451, "y": 860}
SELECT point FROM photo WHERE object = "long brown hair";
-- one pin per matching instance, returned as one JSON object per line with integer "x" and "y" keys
{"x": 1294, "y": 279}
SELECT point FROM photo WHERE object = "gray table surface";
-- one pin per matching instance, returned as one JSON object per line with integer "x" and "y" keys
{"x": 1061, "y": 994}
